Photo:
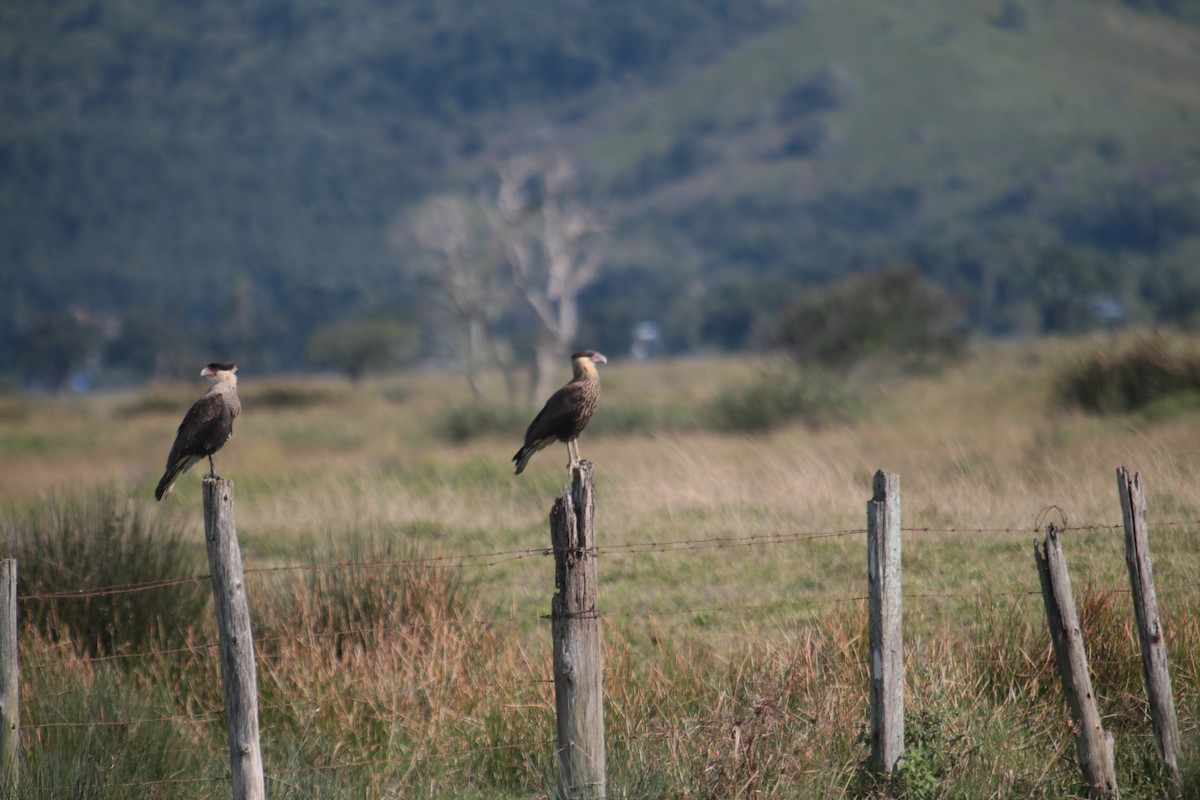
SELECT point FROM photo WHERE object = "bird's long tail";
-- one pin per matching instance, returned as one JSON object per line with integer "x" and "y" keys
{"x": 522, "y": 457}
{"x": 173, "y": 472}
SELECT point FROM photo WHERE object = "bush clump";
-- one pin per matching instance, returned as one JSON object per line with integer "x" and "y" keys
{"x": 464, "y": 422}
{"x": 295, "y": 395}
{"x": 779, "y": 396}
{"x": 70, "y": 547}
{"x": 892, "y": 314}
{"x": 1149, "y": 371}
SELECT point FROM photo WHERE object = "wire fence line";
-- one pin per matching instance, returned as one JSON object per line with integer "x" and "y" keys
{"x": 498, "y": 557}
{"x": 494, "y": 558}
{"x": 790, "y": 604}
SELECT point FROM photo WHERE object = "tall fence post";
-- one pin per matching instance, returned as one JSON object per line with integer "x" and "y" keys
{"x": 1093, "y": 745}
{"x": 10, "y": 687}
{"x": 575, "y": 626}
{"x": 887, "y": 640}
{"x": 1150, "y": 632}
{"x": 236, "y": 643}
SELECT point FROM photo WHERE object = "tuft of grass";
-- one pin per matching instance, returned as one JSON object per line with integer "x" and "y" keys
{"x": 350, "y": 593}
{"x": 77, "y": 545}
{"x": 95, "y": 762}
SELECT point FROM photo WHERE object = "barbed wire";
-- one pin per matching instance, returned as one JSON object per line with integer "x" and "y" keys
{"x": 121, "y": 588}
{"x": 215, "y": 715}
{"x": 1035, "y": 531}
{"x": 1024, "y": 658}
{"x": 497, "y": 557}
{"x": 798, "y": 604}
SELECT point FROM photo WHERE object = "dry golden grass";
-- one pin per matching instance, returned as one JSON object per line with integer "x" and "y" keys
{"x": 731, "y": 671}
{"x": 981, "y": 447}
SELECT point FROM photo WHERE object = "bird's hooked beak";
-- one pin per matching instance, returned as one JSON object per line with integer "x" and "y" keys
{"x": 207, "y": 372}
{"x": 599, "y": 358}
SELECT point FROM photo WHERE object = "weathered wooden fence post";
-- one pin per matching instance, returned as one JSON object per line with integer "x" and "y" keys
{"x": 10, "y": 687}
{"x": 1092, "y": 743}
{"x": 887, "y": 640}
{"x": 1150, "y": 632}
{"x": 236, "y": 643}
{"x": 575, "y": 626}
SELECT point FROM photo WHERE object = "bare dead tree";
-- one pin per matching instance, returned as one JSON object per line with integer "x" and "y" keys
{"x": 554, "y": 246}
{"x": 461, "y": 265}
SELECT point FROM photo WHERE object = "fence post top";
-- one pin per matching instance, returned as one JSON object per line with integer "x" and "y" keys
{"x": 885, "y": 483}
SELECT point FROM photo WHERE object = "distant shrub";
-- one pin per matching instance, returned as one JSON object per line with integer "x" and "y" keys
{"x": 780, "y": 396}
{"x": 358, "y": 347}
{"x": 1012, "y": 16}
{"x": 685, "y": 156}
{"x": 1185, "y": 10}
{"x": 1134, "y": 215}
{"x": 826, "y": 90}
{"x": 464, "y": 422}
{"x": 157, "y": 400}
{"x": 807, "y": 138}
{"x": 894, "y": 314}
{"x": 879, "y": 209}
{"x": 68, "y": 544}
{"x": 629, "y": 417}
{"x": 293, "y": 395}
{"x": 1147, "y": 372}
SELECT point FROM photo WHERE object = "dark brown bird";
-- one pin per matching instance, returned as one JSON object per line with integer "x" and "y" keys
{"x": 567, "y": 412}
{"x": 206, "y": 427}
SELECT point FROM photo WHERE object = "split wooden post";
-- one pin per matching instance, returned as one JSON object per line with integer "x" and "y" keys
{"x": 10, "y": 687}
{"x": 1093, "y": 745}
{"x": 1150, "y": 632}
{"x": 887, "y": 640}
{"x": 575, "y": 626}
{"x": 235, "y": 640}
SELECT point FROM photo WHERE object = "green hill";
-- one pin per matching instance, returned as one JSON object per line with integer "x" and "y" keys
{"x": 222, "y": 176}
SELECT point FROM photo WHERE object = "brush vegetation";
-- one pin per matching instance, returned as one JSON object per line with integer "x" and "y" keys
{"x": 1151, "y": 374}
{"x": 398, "y": 583}
{"x": 71, "y": 547}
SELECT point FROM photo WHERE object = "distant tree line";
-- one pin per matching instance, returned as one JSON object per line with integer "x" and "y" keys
{"x": 223, "y": 180}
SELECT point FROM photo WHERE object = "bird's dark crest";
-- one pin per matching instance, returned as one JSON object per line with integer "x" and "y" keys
{"x": 227, "y": 366}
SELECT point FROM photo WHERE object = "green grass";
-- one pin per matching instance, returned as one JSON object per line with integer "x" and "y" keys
{"x": 84, "y": 543}
{"x": 735, "y": 640}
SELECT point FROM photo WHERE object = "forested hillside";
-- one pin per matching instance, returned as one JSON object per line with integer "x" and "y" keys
{"x": 179, "y": 181}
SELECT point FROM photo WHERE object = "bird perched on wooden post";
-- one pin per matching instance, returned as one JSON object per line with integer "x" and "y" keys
{"x": 206, "y": 427}
{"x": 567, "y": 412}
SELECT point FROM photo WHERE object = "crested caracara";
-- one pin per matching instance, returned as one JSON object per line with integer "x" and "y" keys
{"x": 207, "y": 425}
{"x": 567, "y": 412}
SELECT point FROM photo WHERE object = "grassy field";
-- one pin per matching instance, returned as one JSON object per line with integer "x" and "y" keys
{"x": 731, "y": 671}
